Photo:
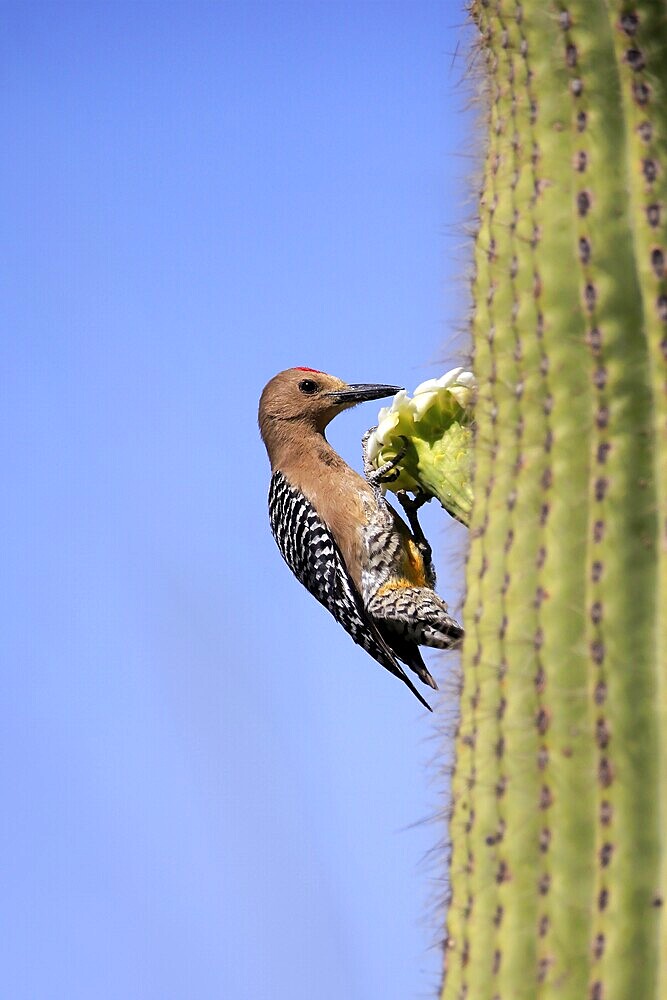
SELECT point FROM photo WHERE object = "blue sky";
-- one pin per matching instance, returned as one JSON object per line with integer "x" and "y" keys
{"x": 208, "y": 790}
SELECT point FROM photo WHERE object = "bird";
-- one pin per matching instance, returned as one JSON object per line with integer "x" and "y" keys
{"x": 340, "y": 536}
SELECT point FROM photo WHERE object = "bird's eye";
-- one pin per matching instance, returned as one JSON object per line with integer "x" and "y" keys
{"x": 308, "y": 386}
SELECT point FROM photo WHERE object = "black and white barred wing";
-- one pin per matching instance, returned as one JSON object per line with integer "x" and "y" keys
{"x": 312, "y": 554}
{"x": 310, "y": 551}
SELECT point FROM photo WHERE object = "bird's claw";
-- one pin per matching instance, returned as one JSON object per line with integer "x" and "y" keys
{"x": 387, "y": 473}
{"x": 411, "y": 505}
{"x": 389, "y": 477}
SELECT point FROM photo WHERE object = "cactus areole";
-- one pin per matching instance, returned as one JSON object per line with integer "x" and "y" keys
{"x": 557, "y": 876}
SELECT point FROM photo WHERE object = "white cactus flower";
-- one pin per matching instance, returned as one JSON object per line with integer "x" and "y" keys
{"x": 436, "y": 423}
{"x": 464, "y": 388}
{"x": 389, "y": 419}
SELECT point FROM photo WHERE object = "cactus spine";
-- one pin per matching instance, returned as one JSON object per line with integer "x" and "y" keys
{"x": 558, "y": 871}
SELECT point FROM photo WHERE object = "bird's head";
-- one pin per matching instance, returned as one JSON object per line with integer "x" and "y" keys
{"x": 307, "y": 398}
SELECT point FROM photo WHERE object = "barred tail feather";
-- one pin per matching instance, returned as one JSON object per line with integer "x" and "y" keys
{"x": 410, "y": 615}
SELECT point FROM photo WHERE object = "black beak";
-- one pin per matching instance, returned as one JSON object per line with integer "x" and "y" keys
{"x": 363, "y": 393}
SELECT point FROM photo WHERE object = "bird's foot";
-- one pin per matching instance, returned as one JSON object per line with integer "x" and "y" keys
{"x": 411, "y": 507}
{"x": 387, "y": 473}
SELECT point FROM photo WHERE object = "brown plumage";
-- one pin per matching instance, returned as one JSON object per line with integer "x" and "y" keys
{"x": 339, "y": 536}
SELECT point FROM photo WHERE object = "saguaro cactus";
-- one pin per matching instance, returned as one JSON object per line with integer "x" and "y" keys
{"x": 558, "y": 831}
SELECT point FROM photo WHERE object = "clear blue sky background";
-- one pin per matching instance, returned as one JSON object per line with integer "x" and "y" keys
{"x": 207, "y": 790}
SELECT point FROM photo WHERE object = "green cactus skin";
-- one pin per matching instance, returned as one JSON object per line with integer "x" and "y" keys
{"x": 558, "y": 868}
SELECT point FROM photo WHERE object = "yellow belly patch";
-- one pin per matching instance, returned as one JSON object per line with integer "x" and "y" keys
{"x": 397, "y": 584}
{"x": 413, "y": 571}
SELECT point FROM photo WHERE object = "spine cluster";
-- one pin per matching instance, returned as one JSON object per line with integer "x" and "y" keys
{"x": 559, "y": 795}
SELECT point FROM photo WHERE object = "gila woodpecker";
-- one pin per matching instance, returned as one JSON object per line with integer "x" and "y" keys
{"x": 337, "y": 533}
